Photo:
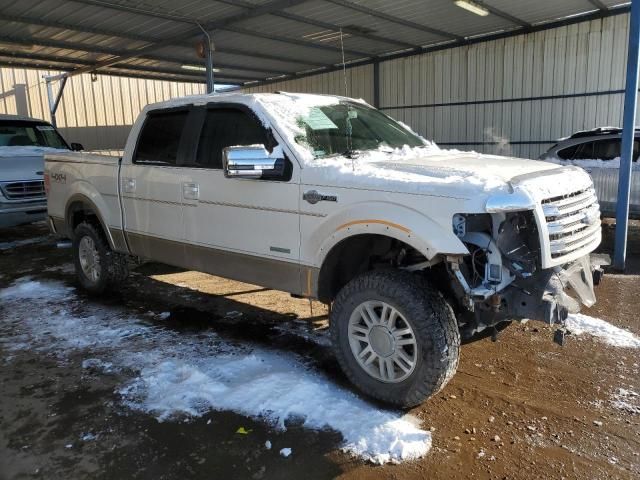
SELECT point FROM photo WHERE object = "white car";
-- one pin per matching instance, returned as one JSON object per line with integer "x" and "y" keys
{"x": 415, "y": 248}
{"x": 597, "y": 151}
{"x": 23, "y": 143}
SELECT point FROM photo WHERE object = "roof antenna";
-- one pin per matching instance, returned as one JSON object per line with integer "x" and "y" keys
{"x": 346, "y": 94}
{"x": 344, "y": 66}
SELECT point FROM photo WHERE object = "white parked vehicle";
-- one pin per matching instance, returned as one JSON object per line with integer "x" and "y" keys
{"x": 415, "y": 248}
{"x": 23, "y": 143}
{"x": 598, "y": 152}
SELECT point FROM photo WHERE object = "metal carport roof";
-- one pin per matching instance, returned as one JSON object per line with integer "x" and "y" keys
{"x": 257, "y": 40}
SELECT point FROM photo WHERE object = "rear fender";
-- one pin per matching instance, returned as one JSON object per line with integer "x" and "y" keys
{"x": 83, "y": 192}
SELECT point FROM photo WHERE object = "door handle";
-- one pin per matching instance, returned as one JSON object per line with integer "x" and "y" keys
{"x": 129, "y": 185}
{"x": 190, "y": 191}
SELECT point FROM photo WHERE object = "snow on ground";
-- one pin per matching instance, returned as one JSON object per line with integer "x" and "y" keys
{"x": 626, "y": 400}
{"x": 181, "y": 373}
{"x": 618, "y": 337}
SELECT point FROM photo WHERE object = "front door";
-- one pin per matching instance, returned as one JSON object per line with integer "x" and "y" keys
{"x": 243, "y": 229}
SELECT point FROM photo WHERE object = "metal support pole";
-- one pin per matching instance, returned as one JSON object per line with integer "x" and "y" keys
{"x": 211, "y": 87}
{"x": 208, "y": 54}
{"x": 376, "y": 84}
{"x": 628, "y": 134}
{"x": 54, "y": 101}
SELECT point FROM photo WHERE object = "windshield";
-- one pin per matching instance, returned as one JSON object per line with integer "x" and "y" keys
{"x": 349, "y": 127}
{"x": 23, "y": 133}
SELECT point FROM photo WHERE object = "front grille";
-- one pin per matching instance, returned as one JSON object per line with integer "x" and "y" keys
{"x": 23, "y": 190}
{"x": 573, "y": 221}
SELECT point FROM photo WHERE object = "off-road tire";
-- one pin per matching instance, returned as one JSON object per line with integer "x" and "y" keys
{"x": 113, "y": 265}
{"x": 431, "y": 318}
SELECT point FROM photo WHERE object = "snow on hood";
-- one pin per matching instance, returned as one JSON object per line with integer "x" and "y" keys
{"x": 173, "y": 374}
{"x": 28, "y": 151}
{"x": 426, "y": 170}
{"x": 23, "y": 163}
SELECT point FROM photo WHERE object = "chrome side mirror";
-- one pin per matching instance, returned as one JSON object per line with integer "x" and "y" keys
{"x": 252, "y": 161}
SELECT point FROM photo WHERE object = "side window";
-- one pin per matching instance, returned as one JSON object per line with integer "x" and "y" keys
{"x": 226, "y": 127}
{"x": 568, "y": 153}
{"x": 606, "y": 149}
{"x": 584, "y": 151}
{"x": 160, "y": 138}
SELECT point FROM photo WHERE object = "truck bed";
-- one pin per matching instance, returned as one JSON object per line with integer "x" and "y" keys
{"x": 77, "y": 177}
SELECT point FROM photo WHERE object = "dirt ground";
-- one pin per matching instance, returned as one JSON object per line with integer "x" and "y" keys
{"x": 520, "y": 407}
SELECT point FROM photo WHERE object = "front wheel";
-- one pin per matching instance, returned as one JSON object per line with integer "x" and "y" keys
{"x": 395, "y": 337}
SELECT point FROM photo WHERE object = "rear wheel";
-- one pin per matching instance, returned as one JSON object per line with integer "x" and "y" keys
{"x": 97, "y": 266}
{"x": 395, "y": 336}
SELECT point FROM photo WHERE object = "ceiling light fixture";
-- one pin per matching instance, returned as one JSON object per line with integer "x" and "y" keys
{"x": 197, "y": 68}
{"x": 472, "y": 7}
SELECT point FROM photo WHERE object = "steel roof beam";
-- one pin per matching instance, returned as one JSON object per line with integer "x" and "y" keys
{"x": 394, "y": 19}
{"x": 48, "y": 66}
{"x": 293, "y": 41}
{"x": 504, "y": 15}
{"x": 350, "y": 31}
{"x": 278, "y": 58}
{"x": 29, "y": 41}
{"x": 127, "y": 36}
{"x": 223, "y": 24}
{"x": 321, "y": 24}
{"x": 111, "y": 33}
{"x": 598, "y": 4}
{"x": 74, "y": 63}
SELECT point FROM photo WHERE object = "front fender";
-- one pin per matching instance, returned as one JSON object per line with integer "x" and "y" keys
{"x": 389, "y": 219}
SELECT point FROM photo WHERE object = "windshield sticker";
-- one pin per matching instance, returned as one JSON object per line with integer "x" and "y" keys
{"x": 45, "y": 128}
{"x": 317, "y": 120}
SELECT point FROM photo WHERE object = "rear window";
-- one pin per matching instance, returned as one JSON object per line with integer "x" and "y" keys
{"x": 159, "y": 139}
{"x": 21, "y": 133}
{"x": 606, "y": 149}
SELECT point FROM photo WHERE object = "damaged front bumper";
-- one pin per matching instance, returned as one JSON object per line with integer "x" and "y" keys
{"x": 548, "y": 295}
{"x": 551, "y": 295}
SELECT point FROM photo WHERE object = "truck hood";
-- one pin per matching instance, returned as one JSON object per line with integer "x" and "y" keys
{"x": 23, "y": 163}
{"x": 448, "y": 173}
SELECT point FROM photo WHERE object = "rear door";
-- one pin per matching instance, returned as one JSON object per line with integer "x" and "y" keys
{"x": 151, "y": 187}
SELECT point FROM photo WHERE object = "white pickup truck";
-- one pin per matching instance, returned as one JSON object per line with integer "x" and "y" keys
{"x": 416, "y": 249}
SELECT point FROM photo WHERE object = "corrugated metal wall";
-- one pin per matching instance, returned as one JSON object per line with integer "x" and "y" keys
{"x": 97, "y": 114}
{"x": 510, "y": 96}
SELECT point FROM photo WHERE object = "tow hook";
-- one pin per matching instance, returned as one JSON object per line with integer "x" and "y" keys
{"x": 559, "y": 336}
{"x": 494, "y": 334}
{"x": 495, "y": 302}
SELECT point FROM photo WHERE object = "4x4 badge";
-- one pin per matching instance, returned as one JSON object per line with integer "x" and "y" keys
{"x": 313, "y": 197}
